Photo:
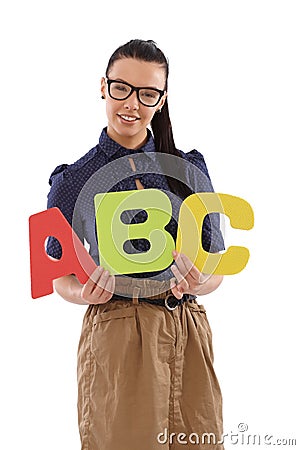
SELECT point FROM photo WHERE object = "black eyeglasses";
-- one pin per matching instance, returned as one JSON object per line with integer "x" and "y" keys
{"x": 120, "y": 90}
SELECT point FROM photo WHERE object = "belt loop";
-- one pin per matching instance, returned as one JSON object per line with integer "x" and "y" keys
{"x": 135, "y": 295}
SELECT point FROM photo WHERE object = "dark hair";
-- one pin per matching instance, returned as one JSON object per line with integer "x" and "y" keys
{"x": 161, "y": 123}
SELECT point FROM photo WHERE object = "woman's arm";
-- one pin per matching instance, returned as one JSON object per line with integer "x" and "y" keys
{"x": 98, "y": 289}
{"x": 189, "y": 280}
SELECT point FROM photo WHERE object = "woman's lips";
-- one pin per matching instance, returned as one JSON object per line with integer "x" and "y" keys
{"x": 128, "y": 119}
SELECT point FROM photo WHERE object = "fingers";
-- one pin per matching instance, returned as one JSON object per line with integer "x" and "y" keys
{"x": 92, "y": 281}
{"x": 100, "y": 284}
{"x": 193, "y": 275}
{"x": 99, "y": 288}
{"x": 186, "y": 267}
{"x": 179, "y": 285}
{"x": 188, "y": 278}
{"x": 105, "y": 287}
{"x": 174, "y": 289}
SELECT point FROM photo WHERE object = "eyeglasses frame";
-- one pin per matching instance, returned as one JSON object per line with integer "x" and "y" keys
{"x": 134, "y": 89}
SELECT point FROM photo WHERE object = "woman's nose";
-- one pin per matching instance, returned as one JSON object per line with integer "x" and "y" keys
{"x": 132, "y": 102}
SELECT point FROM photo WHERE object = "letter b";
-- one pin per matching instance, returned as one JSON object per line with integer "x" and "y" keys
{"x": 112, "y": 233}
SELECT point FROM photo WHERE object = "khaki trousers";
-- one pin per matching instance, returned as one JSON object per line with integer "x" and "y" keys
{"x": 146, "y": 379}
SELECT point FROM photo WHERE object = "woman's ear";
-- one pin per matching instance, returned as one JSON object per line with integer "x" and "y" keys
{"x": 103, "y": 87}
{"x": 162, "y": 102}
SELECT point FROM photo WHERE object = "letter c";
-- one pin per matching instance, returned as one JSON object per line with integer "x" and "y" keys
{"x": 191, "y": 216}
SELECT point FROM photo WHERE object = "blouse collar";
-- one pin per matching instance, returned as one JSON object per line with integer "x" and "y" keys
{"x": 110, "y": 147}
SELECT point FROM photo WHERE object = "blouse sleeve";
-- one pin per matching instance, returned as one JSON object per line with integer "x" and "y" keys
{"x": 61, "y": 195}
{"x": 199, "y": 181}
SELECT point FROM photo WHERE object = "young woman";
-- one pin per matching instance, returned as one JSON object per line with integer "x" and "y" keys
{"x": 145, "y": 359}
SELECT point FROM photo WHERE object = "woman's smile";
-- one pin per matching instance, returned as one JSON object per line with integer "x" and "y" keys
{"x": 128, "y": 119}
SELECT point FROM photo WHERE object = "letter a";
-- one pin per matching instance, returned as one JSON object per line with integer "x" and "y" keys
{"x": 75, "y": 259}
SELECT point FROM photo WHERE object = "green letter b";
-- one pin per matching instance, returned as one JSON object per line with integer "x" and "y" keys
{"x": 112, "y": 233}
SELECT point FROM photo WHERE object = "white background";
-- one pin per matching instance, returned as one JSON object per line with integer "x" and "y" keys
{"x": 242, "y": 60}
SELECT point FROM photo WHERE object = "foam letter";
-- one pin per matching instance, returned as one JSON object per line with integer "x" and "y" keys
{"x": 191, "y": 216}
{"x": 113, "y": 233}
{"x": 75, "y": 259}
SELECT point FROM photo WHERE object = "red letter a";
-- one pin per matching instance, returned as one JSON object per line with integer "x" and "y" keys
{"x": 75, "y": 259}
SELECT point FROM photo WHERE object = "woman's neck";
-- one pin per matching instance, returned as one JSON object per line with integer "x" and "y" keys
{"x": 130, "y": 142}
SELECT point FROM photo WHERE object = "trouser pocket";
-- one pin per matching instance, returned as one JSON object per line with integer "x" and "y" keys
{"x": 113, "y": 331}
{"x": 202, "y": 325}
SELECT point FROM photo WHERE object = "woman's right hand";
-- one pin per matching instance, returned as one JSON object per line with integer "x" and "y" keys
{"x": 99, "y": 288}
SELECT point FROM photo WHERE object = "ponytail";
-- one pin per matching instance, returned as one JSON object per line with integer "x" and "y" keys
{"x": 164, "y": 143}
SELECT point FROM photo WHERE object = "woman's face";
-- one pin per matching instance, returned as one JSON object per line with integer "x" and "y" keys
{"x": 128, "y": 119}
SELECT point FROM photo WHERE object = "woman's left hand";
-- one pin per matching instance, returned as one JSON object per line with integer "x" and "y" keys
{"x": 189, "y": 280}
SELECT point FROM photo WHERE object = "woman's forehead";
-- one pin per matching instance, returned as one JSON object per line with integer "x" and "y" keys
{"x": 138, "y": 73}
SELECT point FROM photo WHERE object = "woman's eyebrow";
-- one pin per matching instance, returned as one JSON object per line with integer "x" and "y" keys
{"x": 124, "y": 81}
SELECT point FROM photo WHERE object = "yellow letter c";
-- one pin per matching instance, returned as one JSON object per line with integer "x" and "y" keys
{"x": 191, "y": 216}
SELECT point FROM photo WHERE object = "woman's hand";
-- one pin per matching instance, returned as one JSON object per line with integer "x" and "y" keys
{"x": 99, "y": 288}
{"x": 189, "y": 280}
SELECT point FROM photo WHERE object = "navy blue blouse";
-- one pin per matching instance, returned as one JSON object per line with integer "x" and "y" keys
{"x": 106, "y": 168}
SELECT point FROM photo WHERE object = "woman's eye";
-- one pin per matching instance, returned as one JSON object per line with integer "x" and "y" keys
{"x": 149, "y": 94}
{"x": 120, "y": 87}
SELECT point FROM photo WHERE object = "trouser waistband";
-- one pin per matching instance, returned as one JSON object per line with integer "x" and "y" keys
{"x": 145, "y": 288}
{"x": 150, "y": 291}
